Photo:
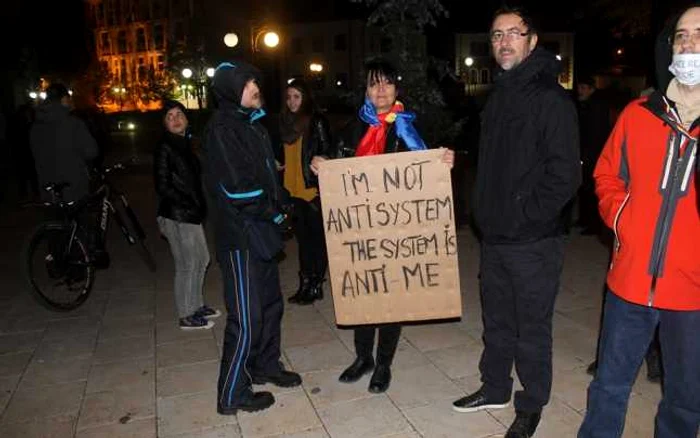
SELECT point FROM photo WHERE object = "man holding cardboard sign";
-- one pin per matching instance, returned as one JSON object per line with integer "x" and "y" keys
{"x": 376, "y": 213}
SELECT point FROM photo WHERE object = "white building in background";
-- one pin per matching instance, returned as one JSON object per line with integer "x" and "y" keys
{"x": 476, "y": 67}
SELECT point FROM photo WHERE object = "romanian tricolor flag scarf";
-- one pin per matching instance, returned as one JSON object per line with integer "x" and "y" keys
{"x": 374, "y": 141}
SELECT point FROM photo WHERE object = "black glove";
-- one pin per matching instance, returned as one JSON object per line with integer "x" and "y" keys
{"x": 285, "y": 225}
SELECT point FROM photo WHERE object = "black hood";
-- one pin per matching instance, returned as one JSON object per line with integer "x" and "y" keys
{"x": 663, "y": 50}
{"x": 51, "y": 112}
{"x": 540, "y": 64}
{"x": 230, "y": 79}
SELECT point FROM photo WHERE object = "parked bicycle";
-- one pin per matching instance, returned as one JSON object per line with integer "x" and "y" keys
{"x": 61, "y": 255}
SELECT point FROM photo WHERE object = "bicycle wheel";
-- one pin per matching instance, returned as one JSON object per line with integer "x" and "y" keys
{"x": 133, "y": 232}
{"x": 57, "y": 267}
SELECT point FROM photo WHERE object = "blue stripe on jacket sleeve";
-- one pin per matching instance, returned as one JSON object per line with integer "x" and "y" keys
{"x": 244, "y": 195}
{"x": 278, "y": 219}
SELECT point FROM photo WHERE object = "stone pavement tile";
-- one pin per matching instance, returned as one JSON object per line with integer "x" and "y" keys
{"x": 190, "y": 413}
{"x": 458, "y": 361}
{"x": 324, "y": 388}
{"x": 23, "y": 323}
{"x": 116, "y": 405}
{"x": 406, "y": 434}
{"x": 187, "y": 352}
{"x": 226, "y": 431}
{"x": 420, "y": 386}
{"x": 8, "y": 384}
{"x": 118, "y": 349}
{"x": 292, "y": 412}
{"x": 645, "y": 388}
{"x": 571, "y": 387}
{"x": 30, "y": 403}
{"x": 139, "y": 326}
{"x": 55, "y": 349}
{"x": 588, "y": 317}
{"x": 428, "y": 337}
{"x": 123, "y": 305}
{"x": 145, "y": 428}
{"x": 128, "y": 372}
{"x": 48, "y": 372}
{"x": 311, "y": 433}
{"x": 188, "y": 379}
{"x": 316, "y": 357}
{"x": 170, "y": 331}
{"x": 18, "y": 342}
{"x": 558, "y": 419}
{"x": 408, "y": 356}
{"x": 60, "y": 426}
{"x": 438, "y": 420}
{"x": 71, "y": 328}
{"x": 14, "y": 363}
{"x": 347, "y": 337}
{"x": 368, "y": 417}
{"x": 307, "y": 333}
{"x": 641, "y": 414}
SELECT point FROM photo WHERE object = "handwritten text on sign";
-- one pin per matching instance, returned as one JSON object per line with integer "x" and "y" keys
{"x": 392, "y": 249}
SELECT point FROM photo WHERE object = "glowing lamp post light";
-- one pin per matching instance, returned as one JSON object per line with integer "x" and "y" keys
{"x": 231, "y": 39}
{"x": 468, "y": 61}
{"x": 186, "y": 73}
{"x": 316, "y": 67}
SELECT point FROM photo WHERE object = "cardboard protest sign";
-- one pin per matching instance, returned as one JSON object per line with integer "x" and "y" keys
{"x": 390, "y": 233}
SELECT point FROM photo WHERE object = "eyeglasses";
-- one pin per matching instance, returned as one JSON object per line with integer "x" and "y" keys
{"x": 681, "y": 38}
{"x": 510, "y": 35}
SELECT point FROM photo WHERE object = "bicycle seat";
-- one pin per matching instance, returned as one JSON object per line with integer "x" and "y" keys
{"x": 56, "y": 187}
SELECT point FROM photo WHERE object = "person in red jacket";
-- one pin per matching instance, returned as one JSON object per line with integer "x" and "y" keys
{"x": 647, "y": 194}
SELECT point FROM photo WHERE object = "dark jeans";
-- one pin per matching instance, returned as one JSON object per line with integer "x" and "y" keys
{"x": 252, "y": 337}
{"x": 627, "y": 331}
{"x": 386, "y": 346}
{"x": 519, "y": 283}
{"x": 308, "y": 229}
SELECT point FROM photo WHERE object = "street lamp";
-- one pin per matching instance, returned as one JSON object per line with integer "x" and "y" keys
{"x": 468, "y": 61}
{"x": 186, "y": 73}
{"x": 231, "y": 39}
{"x": 210, "y": 72}
{"x": 316, "y": 67}
{"x": 33, "y": 95}
{"x": 270, "y": 38}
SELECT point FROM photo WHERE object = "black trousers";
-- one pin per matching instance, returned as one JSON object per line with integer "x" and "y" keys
{"x": 519, "y": 283}
{"x": 308, "y": 228}
{"x": 252, "y": 337}
{"x": 386, "y": 346}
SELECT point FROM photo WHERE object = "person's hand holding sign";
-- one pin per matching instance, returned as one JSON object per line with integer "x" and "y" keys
{"x": 315, "y": 162}
{"x": 448, "y": 157}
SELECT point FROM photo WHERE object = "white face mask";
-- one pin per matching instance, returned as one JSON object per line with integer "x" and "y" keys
{"x": 686, "y": 68}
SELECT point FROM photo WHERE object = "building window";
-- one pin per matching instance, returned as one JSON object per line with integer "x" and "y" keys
{"x": 479, "y": 48}
{"x": 121, "y": 41}
{"x": 385, "y": 45}
{"x": 340, "y": 43}
{"x": 551, "y": 46}
{"x": 485, "y": 76}
{"x": 100, "y": 13}
{"x": 317, "y": 44}
{"x": 158, "y": 40}
{"x": 104, "y": 43}
{"x": 179, "y": 31}
{"x": 140, "y": 40}
{"x": 142, "y": 70}
{"x": 157, "y": 9}
{"x": 122, "y": 72}
{"x": 473, "y": 76}
{"x": 160, "y": 63}
{"x": 297, "y": 46}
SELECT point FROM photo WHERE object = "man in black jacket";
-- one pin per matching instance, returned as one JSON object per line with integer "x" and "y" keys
{"x": 242, "y": 182}
{"x": 528, "y": 170}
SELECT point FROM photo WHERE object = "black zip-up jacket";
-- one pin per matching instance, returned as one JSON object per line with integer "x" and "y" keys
{"x": 315, "y": 141}
{"x": 177, "y": 175}
{"x": 529, "y": 166}
{"x": 240, "y": 173}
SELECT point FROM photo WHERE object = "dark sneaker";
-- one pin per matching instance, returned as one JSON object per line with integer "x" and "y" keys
{"x": 285, "y": 379}
{"x": 523, "y": 426}
{"x": 207, "y": 312}
{"x": 195, "y": 322}
{"x": 477, "y": 402}
{"x": 258, "y": 402}
{"x": 359, "y": 368}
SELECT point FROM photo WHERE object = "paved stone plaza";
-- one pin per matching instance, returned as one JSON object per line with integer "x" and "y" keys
{"x": 120, "y": 367}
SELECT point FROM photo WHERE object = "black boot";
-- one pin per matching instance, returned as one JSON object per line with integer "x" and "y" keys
{"x": 313, "y": 292}
{"x": 303, "y": 285}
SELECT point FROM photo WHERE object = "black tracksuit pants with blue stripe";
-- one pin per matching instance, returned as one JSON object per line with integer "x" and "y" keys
{"x": 252, "y": 338}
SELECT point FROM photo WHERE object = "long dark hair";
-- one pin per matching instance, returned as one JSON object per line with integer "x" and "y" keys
{"x": 293, "y": 125}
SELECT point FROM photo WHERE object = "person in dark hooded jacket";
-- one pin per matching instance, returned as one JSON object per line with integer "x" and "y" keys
{"x": 241, "y": 178}
{"x": 529, "y": 169}
{"x": 62, "y": 145}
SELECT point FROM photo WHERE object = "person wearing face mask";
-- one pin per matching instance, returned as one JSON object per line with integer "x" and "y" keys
{"x": 304, "y": 134}
{"x": 644, "y": 183}
{"x": 382, "y": 126}
{"x": 247, "y": 201}
{"x": 529, "y": 170}
{"x": 181, "y": 211}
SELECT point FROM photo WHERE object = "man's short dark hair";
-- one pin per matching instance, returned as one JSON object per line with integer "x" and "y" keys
{"x": 521, "y": 12}
{"x": 380, "y": 68}
{"x": 55, "y": 92}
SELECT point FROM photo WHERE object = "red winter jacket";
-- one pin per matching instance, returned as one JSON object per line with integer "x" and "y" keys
{"x": 645, "y": 182}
